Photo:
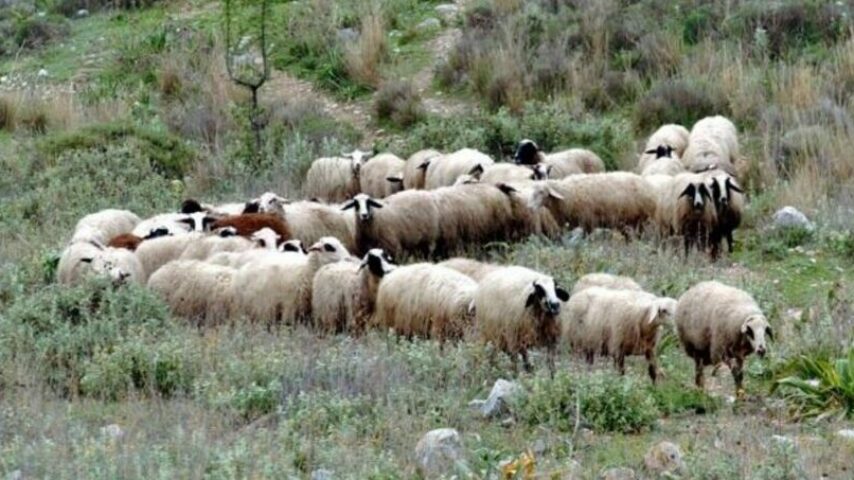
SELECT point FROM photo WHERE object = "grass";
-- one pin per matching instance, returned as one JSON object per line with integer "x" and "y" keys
{"x": 156, "y": 120}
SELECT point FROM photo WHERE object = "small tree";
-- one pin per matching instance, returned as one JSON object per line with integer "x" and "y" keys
{"x": 241, "y": 60}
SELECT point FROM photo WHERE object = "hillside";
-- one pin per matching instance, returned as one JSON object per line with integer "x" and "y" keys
{"x": 129, "y": 104}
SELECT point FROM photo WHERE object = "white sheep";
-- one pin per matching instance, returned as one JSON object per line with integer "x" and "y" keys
{"x": 335, "y": 179}
{"x": 605, "y": 280}
{"x": 563, "y": 163}
{"x": 276, "y": 289}
{"x": 445, "y": 171}
{"x": 471, "y": 268}
{"x": 196, "y": 290}
{"x": 719, "y": 323}
{"x": 406, "y": 222}
{"x": 729, "y": 204}
{"x": 671, "y": 135}
{"x": 415, "y": 170}
{"x": 103, "y": 225}
{"x": 425, "y": 300}
{"x": 81, "y": 259}
{"x": 517, "y": 309}
{"x": 713, "y": 140}
{"x": 157, "y": 252}
{"x": 508, "y": 173}
{"x": 474, "y": 214}
{"x": 382, "y": 175}
{"x": 344, "y": 293}
{"x": 686, "y": 208}
{"x": 616, "y": 323}
{"x": 311, "y": 221}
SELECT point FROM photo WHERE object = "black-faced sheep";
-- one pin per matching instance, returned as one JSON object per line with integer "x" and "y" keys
{"x": 719, "y": 323}
{"x": 729, "y": 204}
{"x": 406, "y": 222}
{"x": 669, "y": 140}
{"x": 616, "y": 323}
{"x": 335, "y": 179}
{"x": 425, "y": 300}
{"x": 686, "y": 208}
{"x": 344, "y": 293}
{"x": 563, "y": 164}
{"x": 517, "y": 309}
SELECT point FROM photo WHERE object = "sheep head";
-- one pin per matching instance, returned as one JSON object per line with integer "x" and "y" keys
{"x": 357, "y": 159}
{"x": 102, "y": 265}
{"x": 755, "y": 328}
{"x": 698, "y": 193}
{"x": 377, "y": 262}
{"x": 269, "y": 202}
{"x": 266, "y": 238}
{"x": 527, "y": 153}
{"x": 661, "y": 311}
{"x": 540, "y": 171}
{"x": 364, "y": 206}
{"x": 328, "y": 250}
{"x": 661, "y": 151}
{"x": 294, "y": 246}
{"x": 547, "y": 296}
{"x": 722, "y": 186}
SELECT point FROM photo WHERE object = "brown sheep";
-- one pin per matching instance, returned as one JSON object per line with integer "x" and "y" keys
{"x": 249, "y": 223}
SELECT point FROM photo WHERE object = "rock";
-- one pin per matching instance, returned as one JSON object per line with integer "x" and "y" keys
{"x": 539, "y": 447}
{"x": 847, "y": 434}
{"x": 347, "y": 35}
{"x": 82, "y": 13}
{"x": 440, "y": 453}
{"x": 322, "y": 474}
{"x": 496, "y": 403}
{"x": 113, "y": 431}
{"x": 790, "y": 217}
{"x": 429, "y": 25}
{"x": 664, "y": 457}
{"x": 621, "y": 473}
{"x": 573, "y": 471}
{"x": 447, "y": 10}
{"x": 42, "y": 73}
{"x": 15, "y": 475}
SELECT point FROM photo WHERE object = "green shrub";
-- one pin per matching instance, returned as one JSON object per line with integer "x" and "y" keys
{"x": 679, "y": 101}
{"x": 674, "y": 399}
{"x": 168, "y": 155}
{"x": 819, "y": 386}
{"x": 69, "y": 334}
{"x": 606, "y": 402}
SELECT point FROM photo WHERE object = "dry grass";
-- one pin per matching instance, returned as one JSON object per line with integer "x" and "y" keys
{"x": 365, "y": 58}
{"x": 8, "y": 113}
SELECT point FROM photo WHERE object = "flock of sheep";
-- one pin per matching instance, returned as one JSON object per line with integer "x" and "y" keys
{"x": 214, "y": 263}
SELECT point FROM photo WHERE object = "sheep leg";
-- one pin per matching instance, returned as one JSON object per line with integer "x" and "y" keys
{"x": 526, "y": 363}
{"x": 729, "y": 241}
{"x": 738, "y": 376}
{"x": 698, "y": 373}
{"x": 552, "y": 366}
{"x": 620, "y": 363}
{"x": 652, "y": 365}
{"x": 590, "y": 356}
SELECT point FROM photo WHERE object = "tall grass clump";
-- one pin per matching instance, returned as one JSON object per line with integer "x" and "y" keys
{"x": 365, "y": 57}
{"x": 398, "y": 102}
{"x": 819, "y": 386}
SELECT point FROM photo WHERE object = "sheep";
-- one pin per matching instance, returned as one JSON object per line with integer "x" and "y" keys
{"x": 311, "y": 221}
{"x": 196, "y": 290}
{"x": 665, "y": 165}
{"x": 472, "y": 268}
{"x": 563, "y": 164}
{"x": 155, "y": 253}
{"x": 474, "y": 214}
{"x": 719, "y": 323}
{"x": 275, "y": 289}
{"x": 616, "y": 323}
{"x": 335, "y": 179}
{"x": 176, "y": 223}
{"x": 406, "y": 222}
{"x": 80, "y": 259}
{"x": 605, "y": 280}
{"x": 425, "y": 300}
{"x": 516, "y": 309}
{"x": 619, "y": 200}
{"x": 130, "y": 241}
{"x": 268, "y": 246}
{"x": 210, "y": 245}
{"x": 291, "y": 246}
{"x": 508, "y": 173}
{"x": 729, "y": 204}
{"x": 249, "y": 223}
{"x": 444, "y": 171}
{"x": 344, "y": 293}
{"x": 382, "y": 175}
{"x": 103, "y": 225}
{"x": 713, "y": 140}
{"x": 686, "y": 208}
{"x": 190, "y": 206}
{"x": 672, "y": 138}
{"x": 415, "y": 169}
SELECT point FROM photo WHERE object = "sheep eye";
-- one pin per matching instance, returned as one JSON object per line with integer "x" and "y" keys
{"x": 329, "y": 248}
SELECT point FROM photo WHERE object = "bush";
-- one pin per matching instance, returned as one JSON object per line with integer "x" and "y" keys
{"x": 679, "y": 101}
{"x": 605, "y": 402}
{"x": 95, "y": 336}
{"x": 819, "y": 386}
{"x": 399, "y": 103}
{"x": 35, "y": 31}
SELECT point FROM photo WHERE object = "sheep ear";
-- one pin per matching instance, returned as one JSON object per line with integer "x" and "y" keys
{"x": 733, "y": 185}
{"x": 87, "y": 260}
{"x": 506, "y": 189}
{"x": 476, "y": 171}
{"x": 374, "y": 203}
{"x": 532, "y": 299}
{"x": 704, "y": 191}
{"x": 688, "y": 192}
{"x": 769, "y": 332}
{"x": 745, "y": 329}
{"x": 652, "y": 314}
{"x": 191, "y": 206}
{"x": 349, "y": 205}
{"x": 554, "y": 193}
{"x": 395, "y": 179}
{"x": 562, "y": 294}
{"x": 423, "y": 165}
{"x": 252, "y": 207}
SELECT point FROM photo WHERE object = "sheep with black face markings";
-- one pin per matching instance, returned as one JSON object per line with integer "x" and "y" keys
{"x": 444, "y": 171}
{"x": 406, "y": 222}
{"x": 276, "y": 289}
{"x": 669, "y": 140}
{"x": 686, "y": 208}
{"x": 382, "y": 175}
{"x": 517, "y": 309}
{"x": 719, "y": 323}
{"x": 729, "y": 204}
{"x": 563, "y": 163}
{"x": 665, "y": 162}
{"x": 344, "y": 293}
{"x": 415, "y": 170}
{"x": 335, "y": 179}
{"x": 425, "y": 300}
{"x": 616, "y": 323}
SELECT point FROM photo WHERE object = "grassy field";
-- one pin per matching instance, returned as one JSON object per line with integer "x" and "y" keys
{"x": 134, "y": 109}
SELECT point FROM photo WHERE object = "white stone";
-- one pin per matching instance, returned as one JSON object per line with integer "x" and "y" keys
{"x": 82, "y": 13}
{"x": 439, "y": 453}
{"x": 847, "y": 434}
{"x": 42, "y": 73}
{"x": 791, "y": 217}
{"x": 496, "y": 403}
{"x": 429, "y": 24}
{"x": 113, "y": 431}
{"x": 447, "y": 10}
{"x": 322, "y": 474}
{"x": 664, "y": 457}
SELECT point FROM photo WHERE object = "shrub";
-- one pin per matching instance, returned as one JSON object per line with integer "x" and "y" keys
{"x": 819, "y": 386}
{"x": 399, "y": 103}
{"x": 679, "y": 101}
{"x": 606, "y": 402}
{"x": 364, "y": 58}
{"x": 36, "y": 31}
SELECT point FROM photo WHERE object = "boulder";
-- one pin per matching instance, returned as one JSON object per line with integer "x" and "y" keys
{"x": 497, "y": 401}
{"x": 439, "y": 453}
